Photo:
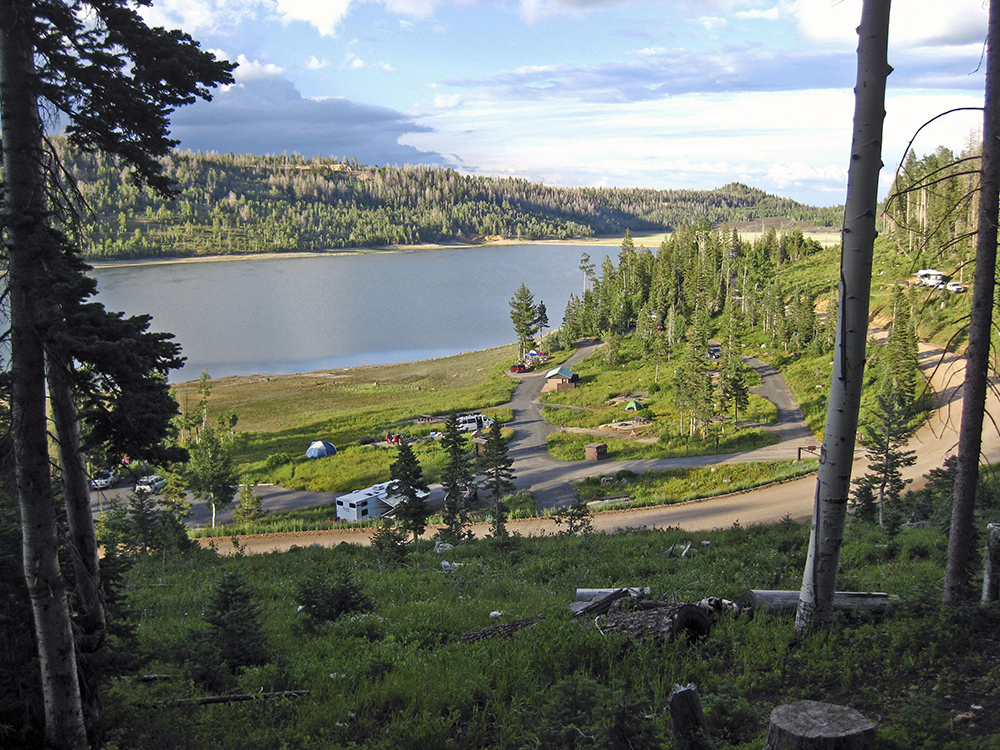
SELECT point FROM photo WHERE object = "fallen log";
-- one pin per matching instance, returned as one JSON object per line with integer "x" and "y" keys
{"x": 690, "y": 728}
{"x": 503, "y": 630}
{"x": 660, "y": 625}
{"x": 812, "y": 725}
{"x": 587, "y": 595}
{"x": 753, "y": 600}
{"x": 236, "y": 698}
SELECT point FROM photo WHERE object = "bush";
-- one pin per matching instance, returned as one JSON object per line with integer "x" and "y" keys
{"x": 324, "y": 600}
{"x": 275, "y": 460}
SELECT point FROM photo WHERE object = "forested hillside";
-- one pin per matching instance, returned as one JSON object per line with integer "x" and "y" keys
{"x": 236, "y": 203}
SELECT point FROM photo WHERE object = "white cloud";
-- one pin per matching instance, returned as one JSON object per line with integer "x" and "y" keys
{"x": 912, "y": 23}
{"x": 353, "y": 62}
{"x": 315, "y": 64}
{"x": 254, "y": 70}
{"x": 325, "y": 15}
{"x": 713, "y": 23}
{"x": 197, "y": 16}
{"x": 791, "y": 143}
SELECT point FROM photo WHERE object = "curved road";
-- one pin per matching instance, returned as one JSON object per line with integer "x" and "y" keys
{"x": 551, "y": 481}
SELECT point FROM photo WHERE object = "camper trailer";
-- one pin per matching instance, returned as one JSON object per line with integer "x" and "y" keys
{"x": 371, "y": 502}
{"x": 930, "y": 277}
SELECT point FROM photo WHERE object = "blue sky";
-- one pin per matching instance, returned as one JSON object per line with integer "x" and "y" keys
{"x": 624, "y": 93}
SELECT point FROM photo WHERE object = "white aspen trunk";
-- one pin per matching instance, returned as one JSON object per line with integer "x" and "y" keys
{"x": 961, "y": 540}
{"x": 819, "y": 579}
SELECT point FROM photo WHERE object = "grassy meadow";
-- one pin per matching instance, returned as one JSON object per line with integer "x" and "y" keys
{"x": 374, "y": 646}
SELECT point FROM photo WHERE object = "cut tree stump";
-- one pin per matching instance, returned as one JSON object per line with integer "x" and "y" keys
{"x": 753, "y": 600}
{"x": 812, "y": 725}
{"x": 690, "y": 727}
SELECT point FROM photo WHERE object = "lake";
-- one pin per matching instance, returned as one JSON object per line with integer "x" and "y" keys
{"x": 275, "y": 315}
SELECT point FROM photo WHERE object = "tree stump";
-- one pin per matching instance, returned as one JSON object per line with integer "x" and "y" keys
{"x": 690, "y": 727}
{"x": 812, "y": 725}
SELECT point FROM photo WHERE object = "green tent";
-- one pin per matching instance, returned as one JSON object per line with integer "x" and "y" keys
{"x": 633, "y": 406}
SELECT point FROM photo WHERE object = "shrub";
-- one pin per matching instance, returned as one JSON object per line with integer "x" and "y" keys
{"x": 324, "y": 600}
{"x": 275, "y": 460}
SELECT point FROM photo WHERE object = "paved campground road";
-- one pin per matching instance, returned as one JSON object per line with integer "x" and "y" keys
{"x": 551, "y": 481}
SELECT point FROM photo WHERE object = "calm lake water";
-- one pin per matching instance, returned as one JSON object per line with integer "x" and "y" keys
{"x": 275, "y": 316}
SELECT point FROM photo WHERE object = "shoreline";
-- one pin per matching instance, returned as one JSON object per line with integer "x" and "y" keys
{"x": 651, "y": 240}
{"x": 605, "y": 241}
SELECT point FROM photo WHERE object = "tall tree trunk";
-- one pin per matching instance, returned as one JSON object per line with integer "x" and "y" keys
{"x": 89, "y": 619}
{"x": 958, "y": 572}
{"x": 28, "y": 248}
{"x": 819, "y": 580}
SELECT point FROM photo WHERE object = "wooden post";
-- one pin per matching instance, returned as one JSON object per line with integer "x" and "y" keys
{"x": 991, "y": 575}
{"x": 690, "y": 727}
{"x": 811, "y": 725}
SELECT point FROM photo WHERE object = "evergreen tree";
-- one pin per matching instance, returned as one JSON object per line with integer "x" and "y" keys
{"x": 524, "y": 316}
{"x": 250, "y": 506}
{"x": 887, "y": 430}
{"x": 541, "y": 316}
{"x": 457, "y": 480}
{"x": 115, "y": 81}
{"x": 236, "y": 624}
{"x": 733, "y": 384}
{"x": 498, "y": 478}
{"x": 408, "y": 483}
{"x": 902, "y": 351}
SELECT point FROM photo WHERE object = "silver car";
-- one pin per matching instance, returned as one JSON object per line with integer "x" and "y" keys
{"x": 151, "y": 484}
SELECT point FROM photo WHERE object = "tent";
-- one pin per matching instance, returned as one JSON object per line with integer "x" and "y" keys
{"x": 321, "y": 448}
{"x": 633, "y": 406}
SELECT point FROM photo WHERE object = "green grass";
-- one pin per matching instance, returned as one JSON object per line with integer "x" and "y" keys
{"x": 402, "y": 677}
{"x": 570, "y": 446}
{"x": 679, "y": 485}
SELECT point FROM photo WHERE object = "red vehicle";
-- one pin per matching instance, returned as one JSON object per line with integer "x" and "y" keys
{"x": 519, "y": 367}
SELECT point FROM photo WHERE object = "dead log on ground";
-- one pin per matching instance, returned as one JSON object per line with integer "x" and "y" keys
{"x": 661, "y": 624}
{"x": 237, "y": 698}
{"x": 812, "y": 725}
{"x": 503, "y": 630}
{"x": 753, "y": 600}
{"x": 690, "y": 728}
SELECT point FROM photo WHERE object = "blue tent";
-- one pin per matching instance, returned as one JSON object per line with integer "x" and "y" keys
{"x": 321, "y": 448}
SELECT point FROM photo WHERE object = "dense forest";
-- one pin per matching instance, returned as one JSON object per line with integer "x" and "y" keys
{"x": 237, "y": 203}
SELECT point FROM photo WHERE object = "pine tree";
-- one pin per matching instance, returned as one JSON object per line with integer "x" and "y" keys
{"x": 115, "y": 82}
{"x": 498, "y": 478}
{"x": 456, "y": 479}
{"x": 408, "y": 483}
{"x": 524, "y": 316}
{"x": 902, "y": 351}
{"x": 887, "y": 430}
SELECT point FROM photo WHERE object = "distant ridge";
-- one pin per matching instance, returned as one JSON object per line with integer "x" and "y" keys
{"x": 244, "y": 204}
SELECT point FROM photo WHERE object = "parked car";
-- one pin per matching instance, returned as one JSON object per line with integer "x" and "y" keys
{"x": 714, "y": 351}
{"x": 520, "y": 367}
{"x": 954, "y": 286}
{"x": 104, "y": 479}
{"x": 151, "y": 484}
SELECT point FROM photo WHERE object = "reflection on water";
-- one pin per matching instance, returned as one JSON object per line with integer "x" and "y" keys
{"x": 285, "y": 315}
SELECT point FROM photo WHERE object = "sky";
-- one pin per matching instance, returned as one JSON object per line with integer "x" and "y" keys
{"x": 665, "y": 94}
